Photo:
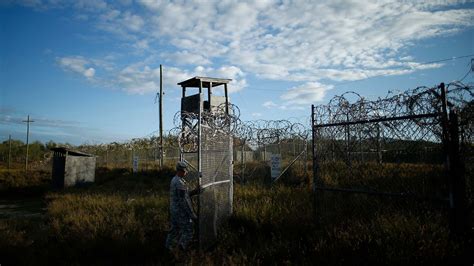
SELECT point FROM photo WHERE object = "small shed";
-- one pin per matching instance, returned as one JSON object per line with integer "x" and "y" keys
{"x": 71, "y": 168}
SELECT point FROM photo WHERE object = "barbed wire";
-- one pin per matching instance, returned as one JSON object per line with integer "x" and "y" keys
{"x": 349, "y": 106}
{"x": 422, "y": 100}
{"x": 350, "y": 127}
{"x": 217, "y": 120}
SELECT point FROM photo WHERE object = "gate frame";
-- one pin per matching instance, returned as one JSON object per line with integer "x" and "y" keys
{"x": 453, "y": 166}
{"x": 199, "y": 82}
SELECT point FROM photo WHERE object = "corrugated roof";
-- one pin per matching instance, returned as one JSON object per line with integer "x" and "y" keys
{"x": 71, "y": 152}
{"x": 194, "y": 82}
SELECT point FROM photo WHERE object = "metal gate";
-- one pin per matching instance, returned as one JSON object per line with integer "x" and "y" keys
{"x": 399, "y": 154}
{"x": 206, "y": 138}
{"x": 216, "y": 181}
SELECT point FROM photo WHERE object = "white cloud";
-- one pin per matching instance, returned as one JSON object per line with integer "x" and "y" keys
{"x": 308, "y": 93}
{"x": 132, "y": 22}
{"x": 141, "y": 45}
{"x": 269, "y": 104}
{"x": 291, "y": 107}
{"x": 89, "y": 73}
{"x": 232, "y": 72}
{"x": 78, "y": 65}
{"x": 90, "y": 5}
{"x": 186, "y": 58}
{"x": 140, "y": 78}
{"x": 153, "y": 5}
{"x": 288, "y": 42}
{"x": 303, "y": 41}
{"x": 229, "y": 72}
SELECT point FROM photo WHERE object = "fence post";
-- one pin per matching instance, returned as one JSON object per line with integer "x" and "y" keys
{"x": 306, "y": 160}
{"x": 317, "y": 195}
{"x": 9, "y": 151}
{"x": 242, "y": 162}
{"x": 313, "y": 150}
{"x": 348, "y": 139}
{"x": 457, "y": 182}
{"x": 264, "y": 152}
{"x": 132, "y": 154}
{"x": 453, "y": 166}
{"x": 445, "y": 140}
{"x": 107, "y": 156}
{"x": 379, "y": 145}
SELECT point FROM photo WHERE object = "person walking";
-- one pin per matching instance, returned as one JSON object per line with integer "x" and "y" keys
{"x": 182, "y": 215}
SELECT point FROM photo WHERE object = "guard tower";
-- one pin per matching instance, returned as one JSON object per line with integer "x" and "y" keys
{"x": 208, "y": 139}
{"x": 203, "y": 83}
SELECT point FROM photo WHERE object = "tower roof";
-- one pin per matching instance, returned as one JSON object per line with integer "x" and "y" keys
{"x": 195, "y": 82}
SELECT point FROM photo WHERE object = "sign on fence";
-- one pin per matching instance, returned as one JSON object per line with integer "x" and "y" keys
{"x": 275, "y": 165}
{"x": 135, "y": 164}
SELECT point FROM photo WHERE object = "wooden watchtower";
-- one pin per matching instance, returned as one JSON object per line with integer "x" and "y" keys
{"x": 204, "y": 83}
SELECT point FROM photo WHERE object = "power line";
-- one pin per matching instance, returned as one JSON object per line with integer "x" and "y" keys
{"x": 447, "y": 59}
{"x": 423, "y": 63}
{"x": 471, "y": 69}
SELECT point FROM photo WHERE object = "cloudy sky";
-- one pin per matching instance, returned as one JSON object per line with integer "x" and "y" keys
{"x": 88, "y": 70}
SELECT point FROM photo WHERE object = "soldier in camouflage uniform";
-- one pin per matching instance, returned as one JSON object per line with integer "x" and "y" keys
{"x": 182, "y": 214}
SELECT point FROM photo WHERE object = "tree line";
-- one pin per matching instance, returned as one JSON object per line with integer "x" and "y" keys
{"x": 15, "y": 151}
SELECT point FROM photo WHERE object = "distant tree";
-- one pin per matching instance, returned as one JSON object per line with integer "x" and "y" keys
{"x": 51, "y": 144}
{"x": 17, "y": 151}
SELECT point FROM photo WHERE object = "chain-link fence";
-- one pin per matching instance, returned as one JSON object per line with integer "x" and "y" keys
{"x": 251, "y": 160}
{"x": 392, "y": 157}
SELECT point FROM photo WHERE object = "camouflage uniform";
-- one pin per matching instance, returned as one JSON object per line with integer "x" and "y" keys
{"x": 181, "y": 215}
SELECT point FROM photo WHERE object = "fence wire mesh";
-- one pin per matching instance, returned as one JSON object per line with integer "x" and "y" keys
{"x": 385, "y": 158}
{"x": 217, "y": 183}
{"x": 208, "y": 136}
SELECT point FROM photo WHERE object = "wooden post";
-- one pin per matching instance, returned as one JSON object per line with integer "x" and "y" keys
{"x": 226, "y": 99}
{"x": 317, "y": 195}
{"x": 161, "y": 117}
{"x": 379, "y": 145}
{"x": 458, "y": 213}
{"x": 106, "y": 156}
{"x": 445, "y": 140}
{"x": 28, "y": 121}
{"x": 242, "y": 178}
{"x": 9, "y": 151}
{"x": 313, "y": 151}
{"x": 209, "y": 95}
{"x": 453, "y": 166}
{"x": 244, "y": 161}
{"x": 146, "y": 160}
{"x": 264, "y": 152}
{"x": 199, "y": 164}
{"x": 348, "y": 139}
{"x": 181, "y": 155}
{"x": 306, "y": 159}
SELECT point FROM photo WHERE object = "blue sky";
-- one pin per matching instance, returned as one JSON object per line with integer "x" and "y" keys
{"x": 88, "y": 71}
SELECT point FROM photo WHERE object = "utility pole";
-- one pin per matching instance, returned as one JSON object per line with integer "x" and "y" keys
{"x": 161, "y": 117}
{"x": 9, "y": 151}
{"x": 27, "y": 121}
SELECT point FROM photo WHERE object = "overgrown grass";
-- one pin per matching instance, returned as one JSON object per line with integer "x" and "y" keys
{"x": 18, "y": 183}
{"x": 123, "y": 219}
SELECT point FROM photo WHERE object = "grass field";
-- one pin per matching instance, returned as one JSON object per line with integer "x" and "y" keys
{"x": 123, "y": 219}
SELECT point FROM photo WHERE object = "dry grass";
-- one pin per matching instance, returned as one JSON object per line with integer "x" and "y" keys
{"x": 123, "y": 219}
